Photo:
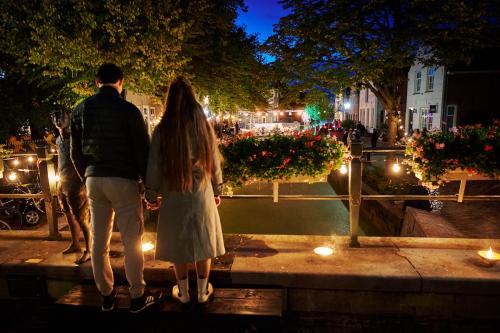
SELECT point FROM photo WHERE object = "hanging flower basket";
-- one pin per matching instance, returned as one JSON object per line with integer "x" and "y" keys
{"x": 300, "y": 157}
{"x": 466, "y": 153}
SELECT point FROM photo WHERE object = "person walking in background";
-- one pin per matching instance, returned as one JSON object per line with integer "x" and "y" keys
{"x": 109, "y": 147}
{"x": 71, "y": 191}
{"x": 184, "y": 169}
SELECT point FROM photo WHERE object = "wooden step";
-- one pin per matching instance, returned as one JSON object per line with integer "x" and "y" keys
{"x": 227, "y": 301}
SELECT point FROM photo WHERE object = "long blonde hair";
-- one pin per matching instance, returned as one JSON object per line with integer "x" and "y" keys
{"x": 186, "y": 137}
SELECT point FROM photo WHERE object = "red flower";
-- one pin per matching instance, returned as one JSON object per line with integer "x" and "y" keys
{"x": 488, "y": 148}
{"x": 439, "y": 145}
{"x": 309, "y": 144}
{"x": 317, "y": 138}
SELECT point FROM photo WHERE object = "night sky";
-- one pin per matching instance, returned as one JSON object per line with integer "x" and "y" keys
{"x": 261, "y": 16}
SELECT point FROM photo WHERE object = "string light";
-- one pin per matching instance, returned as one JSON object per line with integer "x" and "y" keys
{"x": 12, "y": 176}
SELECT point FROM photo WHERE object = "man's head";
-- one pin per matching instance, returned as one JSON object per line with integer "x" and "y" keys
{"x": 110, "y": 75}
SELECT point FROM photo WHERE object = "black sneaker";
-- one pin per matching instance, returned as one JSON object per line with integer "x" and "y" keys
{"x": 108, "y": 302}
{"x": 139, "y": 304}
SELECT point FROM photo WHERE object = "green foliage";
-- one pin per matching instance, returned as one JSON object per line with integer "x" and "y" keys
{"x": 314, "y": 113}
{"x": 61, "y": 43}
{"x": 348, "y": 123}
{"x": 278, "y": 157}
{"x": 475, "y": 149}
{"x": 342, "y": 43}
{"x": 4, "y": 152}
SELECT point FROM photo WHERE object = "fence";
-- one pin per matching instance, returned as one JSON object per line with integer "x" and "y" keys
{"x": 355, "y": 197}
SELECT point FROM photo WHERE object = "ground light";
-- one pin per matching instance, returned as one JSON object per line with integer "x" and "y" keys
{"x": 396, "y": 168}
{"x": 343, "y": 169}
{"x": 490, "y": 256}
{"x": 12, "y": 176}
{"x": 147, "y": 246}
{"x": 323, "y": 251}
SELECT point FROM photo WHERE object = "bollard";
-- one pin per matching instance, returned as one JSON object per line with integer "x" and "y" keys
{"x": 47, "y": 173}
{"x": 355, "y": 173}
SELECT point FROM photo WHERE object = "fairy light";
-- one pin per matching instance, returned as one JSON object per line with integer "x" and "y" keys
{"x": 12, "y": 176}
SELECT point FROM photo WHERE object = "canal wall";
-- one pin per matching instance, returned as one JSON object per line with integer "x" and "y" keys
{"x": 378, "y": 218}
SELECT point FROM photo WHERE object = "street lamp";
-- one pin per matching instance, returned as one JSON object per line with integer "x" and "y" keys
{"x": 347, "y": 105}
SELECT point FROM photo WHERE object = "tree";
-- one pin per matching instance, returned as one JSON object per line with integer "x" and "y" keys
{"x": 374, "y": 43}
{"x": 64, "y": 41}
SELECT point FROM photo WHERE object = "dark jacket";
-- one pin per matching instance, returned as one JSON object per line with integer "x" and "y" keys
{"x": 109, "y": 137}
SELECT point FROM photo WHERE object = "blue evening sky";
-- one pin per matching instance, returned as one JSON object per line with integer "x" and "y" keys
{"x": 260, "y": 17}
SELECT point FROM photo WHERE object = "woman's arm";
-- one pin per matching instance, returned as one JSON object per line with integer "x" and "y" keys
{"x": 216, "y": 171}
{"x": 154, "y": 173}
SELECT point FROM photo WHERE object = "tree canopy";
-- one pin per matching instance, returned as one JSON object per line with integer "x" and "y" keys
{"x": 341, "y": 43}
{"x": 61, "y": 43}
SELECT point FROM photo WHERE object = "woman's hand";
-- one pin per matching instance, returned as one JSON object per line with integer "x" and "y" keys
{"x": 217, "y": 200}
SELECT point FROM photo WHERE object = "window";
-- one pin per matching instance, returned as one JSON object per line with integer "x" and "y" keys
{"x": 366, "y": 95}
{"x": 418, "y": 80}
{"x": 426, "y": 118}
{"x": 451, "y": 116}
{"x": 430, "y": 79}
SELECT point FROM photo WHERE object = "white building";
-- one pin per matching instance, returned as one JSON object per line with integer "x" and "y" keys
{"x": 424, "y": 104}
{"x": 368, "y": 109}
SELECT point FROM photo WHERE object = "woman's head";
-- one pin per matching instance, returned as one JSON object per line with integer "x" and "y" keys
{"x": 186, "y": 137}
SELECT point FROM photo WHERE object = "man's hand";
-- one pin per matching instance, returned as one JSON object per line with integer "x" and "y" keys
{"x": 153, "y": 205}
{"x": 217, "y": 200}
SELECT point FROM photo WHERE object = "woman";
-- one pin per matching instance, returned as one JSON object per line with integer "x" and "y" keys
{"x": 184, "y": 169}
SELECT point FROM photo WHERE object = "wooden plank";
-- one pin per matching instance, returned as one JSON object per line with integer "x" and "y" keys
{"x": 227, "y": 301}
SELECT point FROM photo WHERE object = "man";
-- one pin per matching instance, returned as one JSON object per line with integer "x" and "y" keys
{"x": 109, "y": 147}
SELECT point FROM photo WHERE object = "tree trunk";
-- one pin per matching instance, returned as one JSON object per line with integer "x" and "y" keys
{"x": 392, "y": 127}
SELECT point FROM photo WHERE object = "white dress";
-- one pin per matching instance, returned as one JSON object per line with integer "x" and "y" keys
{"x": 189, "y": 227}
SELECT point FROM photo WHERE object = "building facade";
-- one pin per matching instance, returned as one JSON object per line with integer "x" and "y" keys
{"x": 424, "y": 97}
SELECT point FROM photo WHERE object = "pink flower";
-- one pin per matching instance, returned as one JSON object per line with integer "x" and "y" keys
{"x": 488, "y": 148}
{"x": 439, "y": 145}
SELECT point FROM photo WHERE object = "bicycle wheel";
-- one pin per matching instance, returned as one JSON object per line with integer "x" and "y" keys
{"x": 4, "y": 225}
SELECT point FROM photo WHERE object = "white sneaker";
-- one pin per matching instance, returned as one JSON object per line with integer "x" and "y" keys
{"x": 205, "y": 290}
{"x": 180, "y": 291}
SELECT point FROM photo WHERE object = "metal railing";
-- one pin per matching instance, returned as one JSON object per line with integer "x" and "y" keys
{"x": 355, "y": 196}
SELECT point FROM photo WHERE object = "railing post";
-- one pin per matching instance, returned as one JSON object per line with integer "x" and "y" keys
{"x": 48, "y": 182}
{"x": 355, "y": 173}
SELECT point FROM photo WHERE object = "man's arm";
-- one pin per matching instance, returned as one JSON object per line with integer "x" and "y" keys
{"x": 140, "y": 141}
{"x": 76, "y": 141}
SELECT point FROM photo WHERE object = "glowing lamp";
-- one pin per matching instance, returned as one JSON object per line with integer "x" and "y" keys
{"x": 147, "y": 246}
{"x": 53, "y": 150}
{"x": 396, "y": 168}
{"x": 343, "y": 169}
{"x": 12, "y": 176}
{"x": 490, "y": 256}
{"x": 323, "y": 251}
{"x": 401, "y": 127}
{"x": 259, "y": 113}
{"x": 15, "y": 162}
{"x": 347, "y": 106}
{"x": 31, "y": 159}
{"x": 281, "y": 113}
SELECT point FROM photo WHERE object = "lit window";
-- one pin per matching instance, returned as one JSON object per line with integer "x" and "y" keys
{"x": 418, "y": 80}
